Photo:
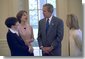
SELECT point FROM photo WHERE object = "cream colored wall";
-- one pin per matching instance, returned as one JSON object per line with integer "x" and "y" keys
{"x": 64, "y": 7}
{"x": 3, "y": 15}
{"x": 62, "y": 11}
{"x": 8, "y": 8}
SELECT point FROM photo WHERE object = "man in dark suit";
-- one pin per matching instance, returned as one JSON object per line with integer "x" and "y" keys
{"x": 15, "y": 42}
{"x": 50, "y": 32}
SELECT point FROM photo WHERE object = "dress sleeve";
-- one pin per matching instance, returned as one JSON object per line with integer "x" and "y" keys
{"x": 78, "y": 40}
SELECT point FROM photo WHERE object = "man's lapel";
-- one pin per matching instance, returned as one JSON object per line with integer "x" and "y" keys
{"x": 44, "y": 26}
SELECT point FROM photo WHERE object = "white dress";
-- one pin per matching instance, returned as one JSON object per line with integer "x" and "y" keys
{"x": 75, "y": 39}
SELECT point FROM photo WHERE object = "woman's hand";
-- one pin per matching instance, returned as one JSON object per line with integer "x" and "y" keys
{"x": 31, "y": 49}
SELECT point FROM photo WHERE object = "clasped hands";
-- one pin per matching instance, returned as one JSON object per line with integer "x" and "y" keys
{"x": 47, "y": 49}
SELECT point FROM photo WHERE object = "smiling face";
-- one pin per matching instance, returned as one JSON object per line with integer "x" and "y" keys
{"x": 24, "y": 17}
{"x": 46, "y": 13}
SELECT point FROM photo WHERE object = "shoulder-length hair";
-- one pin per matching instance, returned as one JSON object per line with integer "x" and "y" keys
{"x": 19, "y": 15}
{"x": 72, "y": 21}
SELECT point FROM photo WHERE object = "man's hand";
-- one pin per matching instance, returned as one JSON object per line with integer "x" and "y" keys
{"x": 47, "y": 49}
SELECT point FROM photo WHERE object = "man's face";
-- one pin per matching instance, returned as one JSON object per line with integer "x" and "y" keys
{"x": 46, "y": 14}
{"x": 16, "y": 25}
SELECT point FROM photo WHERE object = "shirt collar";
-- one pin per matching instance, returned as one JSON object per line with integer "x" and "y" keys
{"x": 13, "y": 31}
{"x": 50, "y": 18}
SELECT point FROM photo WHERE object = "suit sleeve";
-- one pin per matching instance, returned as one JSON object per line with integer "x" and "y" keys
{"x": 14, "y": 43}
{"x": 39, "y": 36}
{"x": 59, "y": 34}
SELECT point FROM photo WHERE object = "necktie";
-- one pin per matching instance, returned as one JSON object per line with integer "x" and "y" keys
{"x": 47, "y": 25}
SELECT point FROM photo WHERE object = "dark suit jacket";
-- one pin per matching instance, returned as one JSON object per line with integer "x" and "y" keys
{"x": 54, "y": 35}
{"x": 16, "y": 45}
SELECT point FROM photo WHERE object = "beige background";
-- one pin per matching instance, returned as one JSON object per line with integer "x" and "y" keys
{"x": 64, "y": 7}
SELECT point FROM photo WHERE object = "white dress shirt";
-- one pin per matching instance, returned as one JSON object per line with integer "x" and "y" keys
{"x": 14, "y": 31}
{"x": 49, "y": 19}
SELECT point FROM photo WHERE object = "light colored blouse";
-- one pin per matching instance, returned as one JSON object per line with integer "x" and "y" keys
{"x": 75, "y": 39}
{"x": 26, "y": 32}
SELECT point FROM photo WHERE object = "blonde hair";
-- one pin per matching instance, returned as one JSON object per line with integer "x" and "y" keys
{"x": 72, "y": 21}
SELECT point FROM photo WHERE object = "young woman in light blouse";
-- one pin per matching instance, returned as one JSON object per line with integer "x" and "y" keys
{"x": 75, "y": 36}
{"x": 25, "y": 30}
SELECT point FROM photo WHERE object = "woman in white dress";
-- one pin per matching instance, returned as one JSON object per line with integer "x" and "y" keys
{"x": 75, "y": 36}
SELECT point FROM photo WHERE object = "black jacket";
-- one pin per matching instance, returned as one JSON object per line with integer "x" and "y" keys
{"x": 16, "y": 45}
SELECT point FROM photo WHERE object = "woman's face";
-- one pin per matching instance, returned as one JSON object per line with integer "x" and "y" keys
{"x": 24, "y": 17}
